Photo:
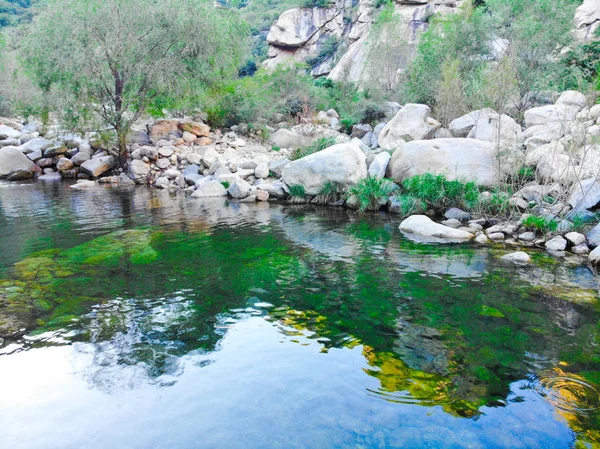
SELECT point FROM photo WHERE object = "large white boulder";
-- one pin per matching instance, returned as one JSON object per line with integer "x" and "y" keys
{"x": 208, "y": 189}
{"x": 566, "y": 109}
{"x": 587, "y": 18}
{"x": 412, "y": 122}
{"x": 285, "y": 138}
{"x": 6, "y": 132}
{"x": 585, "y": 194}
{"x": 461, "y": 126}
{"x": 469, "y": 159}
{"x": 344, "y": 164}
{"x": 379, "y": 165}
{"x": 297, "y": 26}
{"x": 422, "y": 229}
{"x": 500, "y": 129}
{"x": 12, "y": 159}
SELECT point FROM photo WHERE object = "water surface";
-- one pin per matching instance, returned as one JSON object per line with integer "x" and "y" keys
{"x": 150, "y": 320}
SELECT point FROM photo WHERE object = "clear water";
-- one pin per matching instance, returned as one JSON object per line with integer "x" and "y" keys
{"x": 149, "y": 320}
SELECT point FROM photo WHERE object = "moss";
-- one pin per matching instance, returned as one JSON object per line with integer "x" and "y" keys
{"x": 490, "y": 311}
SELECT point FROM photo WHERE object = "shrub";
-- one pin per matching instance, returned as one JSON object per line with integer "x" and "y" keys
{"x": 370, "y": 193}
{"x": 542, "y": 224}
{"x": 410, "y": 205}
{"x": 225, "y": 184}
{"x": 297, "y": 191}
{"x": 495, "y": 204}
{"x": 328, "y": 49}
{"x": 330, "y": 193}
{"x": 439, "y": 193}
{"x": 314, "y": 147}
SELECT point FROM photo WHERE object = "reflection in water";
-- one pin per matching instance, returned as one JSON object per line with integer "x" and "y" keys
{"x": 147, "y": 289}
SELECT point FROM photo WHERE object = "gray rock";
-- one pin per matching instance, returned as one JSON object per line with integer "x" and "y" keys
{"x": 64, "y": 164}
{"x": 97, "y": 167}
{"x": 421, "y": 228}
{"x": 360, "y": 130}
{"x": 455, "y": 158}
{"x": 453, "y": 223}
{"x": 37, "y": 144}
{"x": 162, "y": 183}
{"x": 344, "y": 164}
{"x": 379, "y": 165}
{"x": 527, "y": 236}
{"x": 284, "y": 138}
{"x": 12, "y": 159}
{"x": 482, "y": 239}
{"x": 575, "y": 238}
{"x": 55, "y": 151}
{"x": 518, "y": 258}
{"x": 582, "y": 249}
{"x": 594, "y": 257}
{"x": 278, "y": 166}
{"x": 557, "y": 243}
{"x": 239, "y": 189}
{"x": 34, "y": 155}
{"x": 496, "y": 236}
{"x": 261, "y": 171}
{"x": 593, "y": 236}
{"x": 412, "y": 122}
{"x": 20, "y": 175}
{"x": 457, "y": 214}
{"x": 585, "y": 194}
{"x": 80, "y": 158}
{"x": 210, "y": 188}
{"x": 6, "y": 132}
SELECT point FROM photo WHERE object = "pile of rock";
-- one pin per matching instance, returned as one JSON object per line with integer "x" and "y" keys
{"x": 28, "y": 151}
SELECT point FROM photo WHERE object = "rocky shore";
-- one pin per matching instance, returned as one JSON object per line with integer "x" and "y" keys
{"x": 251, "y": 163}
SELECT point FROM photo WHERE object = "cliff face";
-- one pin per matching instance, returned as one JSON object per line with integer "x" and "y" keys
{"x": 365, "y": 50}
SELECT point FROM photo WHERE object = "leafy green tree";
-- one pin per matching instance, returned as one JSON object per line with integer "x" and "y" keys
{"x": 113, "y": 58}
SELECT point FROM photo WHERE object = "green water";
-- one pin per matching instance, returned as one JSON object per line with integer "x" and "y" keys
{"x": 138, "y": 319}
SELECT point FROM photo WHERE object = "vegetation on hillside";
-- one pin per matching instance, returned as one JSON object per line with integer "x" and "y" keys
{"x": 13, "y": 12}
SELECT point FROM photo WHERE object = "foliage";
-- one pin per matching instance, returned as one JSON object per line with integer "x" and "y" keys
{"x": 330, "y": 193}
{"x": 297, "y": 191}
{"x": 13, "y": 12}
{"x": 495, "y": 204}
{"x": 410, "y": 205}
{"x": 316, "y": 146}
{"x": 329, "y": 47}
{"x": 317, "y": 3}
{"x": 370, "y": 193}
{"x": 225, "y": 184}
{"x": 118, "y": 58}
{"x": 438, "y": 193}
{"x": 538, "y": 223}
{"x": 522, "y": 39}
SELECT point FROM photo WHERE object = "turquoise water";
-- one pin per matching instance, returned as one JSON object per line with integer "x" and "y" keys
{"x": 142, "y": 319}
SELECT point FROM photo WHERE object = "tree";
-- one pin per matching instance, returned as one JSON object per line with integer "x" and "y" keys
{"x": 113, "y": 59}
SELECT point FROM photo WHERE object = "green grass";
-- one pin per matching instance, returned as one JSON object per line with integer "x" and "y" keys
{"x": 225, "y": 184}
{"x": 330, "y": 193}
{"x": 541, "y": 224}
{"x": 316, "y": 146}
{"x": 410, "y": 205}
{"x": 297, "y": 191}
{"x": 370, "y": 193}
{"x": 440, "y": 193}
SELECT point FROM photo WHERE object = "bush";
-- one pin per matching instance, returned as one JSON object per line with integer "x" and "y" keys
{"x": 328, "y": 49}
{"x": 316, "y": 146}
{"x": 410, "y": 205}
{"x": 297, "y": 191}
{"x": 330, "y": 193}
{"x": 541, "y": 224}
{"x": 439, "y": 193}
{"x": 370, "y": 193}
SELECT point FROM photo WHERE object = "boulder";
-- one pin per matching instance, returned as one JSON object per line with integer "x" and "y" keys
{"x": 285, "y": 138}
{"x": 545, "y": 115}
{"x": 556, "y": 244}
{"x": 37, "y": 144}
{"x": 138, "y": 170}
{"x": 585, "y": 194}
{"x": 278, "y": 166}
{"x": 261, "y": 171}
{"x": 572, "y": 98}
{"x": 518, "y": 258}
{"x": 379, "y": 165}
{"x": 422, "y": 229}
{"x": 461, "y": 126}
{"x": 501, "y": 130}
{"x": 457, "y": 214}
{"x": 80, "y": 158}
{"x": 239, "y": 189}
{"x": 12, "y": 159}
{"x": 64, "y": 164}
{"x": 6, "y": 132}
{"x": 275, "y": 189}
{"x": 343, "y": 164}
{"x": 468, "y": 159}
{"x": 593, "y": 236}
{"x": 97, "y": 167}
{"x": 164, "y": 129}
{"x": 575, "y": 238}
{"x": 587, "y": 18}
{"x": 210, "y": 188}
{"x": 412, "y": 122}
{"x": 197, "y": 129}
{"x": 594, "y": 257}
{"x": 297, "y": 26}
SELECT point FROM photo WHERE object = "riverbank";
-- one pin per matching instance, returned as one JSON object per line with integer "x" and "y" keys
{"x": 482, "y": 179}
